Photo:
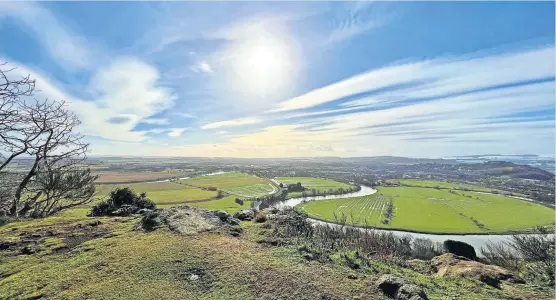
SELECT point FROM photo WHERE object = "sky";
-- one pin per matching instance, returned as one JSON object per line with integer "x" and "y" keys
{"x": 293, "y": 79}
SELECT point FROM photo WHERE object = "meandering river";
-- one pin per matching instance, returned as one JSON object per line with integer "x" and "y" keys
{"x": 476, "y": 240}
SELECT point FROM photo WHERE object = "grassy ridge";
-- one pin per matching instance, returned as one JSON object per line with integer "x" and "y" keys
{"x": 113, "y": 261}
{"x": 435, "y": 211}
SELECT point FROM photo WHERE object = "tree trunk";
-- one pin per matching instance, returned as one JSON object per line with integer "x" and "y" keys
{"x": 14, "y": 209}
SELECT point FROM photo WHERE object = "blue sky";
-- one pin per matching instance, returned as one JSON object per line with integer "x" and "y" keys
{"x": 272, "y": 79}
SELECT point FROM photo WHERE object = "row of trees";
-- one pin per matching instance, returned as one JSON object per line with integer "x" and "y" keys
{"x": 42, "y": 157}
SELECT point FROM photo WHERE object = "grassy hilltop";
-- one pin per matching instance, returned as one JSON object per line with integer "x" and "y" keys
{"x": 76, "y": 257}
{"x": 72, "y": 256}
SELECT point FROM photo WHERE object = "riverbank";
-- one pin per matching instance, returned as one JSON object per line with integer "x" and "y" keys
{"x": 478, "y": 240}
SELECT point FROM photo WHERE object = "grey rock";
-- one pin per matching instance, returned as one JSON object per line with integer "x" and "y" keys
{"x": 143, "y": 211}
{"x": 397, "y": 288}
{"x": 245, "y": 215}
{"x": 451, "y": 265}
{"x": 223, "y": 216}
{"x": 125, "y": 210}
{"x": 6, "y": 244}
{"x": 411, "y": 292}
{"x": 193, "y": 277}
{"x": 151, "y": 220}
{"x": 389, "y": 284}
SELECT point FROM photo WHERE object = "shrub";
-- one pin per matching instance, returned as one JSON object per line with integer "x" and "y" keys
{"x": 239, "y": 201}
{"x": 425, "y": 248}
{"x": 460, "y": 249}
{"x": 100, "y": 209}
{"x": 295, "y": 228}
{"x": 531, "y": 255}
{"x": 122, "y": 201}
{"x": 150, "y": 221}
{"x": 4, "y": 220}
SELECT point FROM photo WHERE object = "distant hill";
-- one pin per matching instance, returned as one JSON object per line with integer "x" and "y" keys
{"x": 503, "y": 168}
{"x": 390, "y": 160}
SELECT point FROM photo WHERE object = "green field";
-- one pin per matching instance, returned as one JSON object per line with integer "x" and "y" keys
{"x": 162, "y": 192}
{"x": 239, "y": 184}
{"x": 167, "y": 194}
{"x": 321, "y": 185}
{"x": 447, "y": 185}
{"x": 435, "y": 211}
{"x": 227, "y": 203}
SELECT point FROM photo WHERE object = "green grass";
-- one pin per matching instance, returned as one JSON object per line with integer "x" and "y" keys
{"x": 163, "y": 192}
{"x": 227, "y": 203}
{"x": 321, "y": 185}
{"x": 435, "y": 211}
{"x": 239, "y": 184}
{"x": 447, "y": 185}
{"x": 128, "y": 264}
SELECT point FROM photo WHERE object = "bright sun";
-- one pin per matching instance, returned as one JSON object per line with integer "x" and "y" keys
{"x": 263, "y": 66}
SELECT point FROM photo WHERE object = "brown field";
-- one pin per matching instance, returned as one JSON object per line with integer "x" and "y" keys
{"x": 123, "y": 177}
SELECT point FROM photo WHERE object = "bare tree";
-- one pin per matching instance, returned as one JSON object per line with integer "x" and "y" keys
{"x": 11, "y": 129}
{"x": 43, "y": 131}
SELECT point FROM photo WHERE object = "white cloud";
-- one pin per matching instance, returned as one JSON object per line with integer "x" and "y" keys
{"x": 443, "y": 76}
{"x": 202, "y": 67}
{"x": 127, "y": 91}
{"x": 231, "y": 123}
{"x": 157, "y": 130}
{"x": 124, "y": 90}
{"x": 468, "y": 105}
{"x": 358, "y": 18}
{"x": 175, "y": 132}
{"x": 187, "y": 115}
{"x": 156, "y": 121}
{"x": 65, "y": 47}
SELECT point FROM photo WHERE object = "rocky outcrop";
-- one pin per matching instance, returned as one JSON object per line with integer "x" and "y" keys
{"x": 451, "y": 265}
{"x": 245, "y": 215}
{"x": 187, "y": 220}
{"x": 397, "y": 288}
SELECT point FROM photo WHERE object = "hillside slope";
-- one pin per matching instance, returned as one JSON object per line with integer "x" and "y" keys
{"x": 75, "y": 257}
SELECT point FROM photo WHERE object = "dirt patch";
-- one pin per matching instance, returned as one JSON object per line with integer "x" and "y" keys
{"x": 58, "y": 239}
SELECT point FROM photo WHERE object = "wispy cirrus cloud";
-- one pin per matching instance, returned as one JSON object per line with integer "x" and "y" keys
{"x": 231, "y": 123}
{"x": 156, "y": 121}
{"x": 175, "y": 132}
{"x": 431, "y": 78}
{"x": 494, "y": 98}
{"x": 357, "y": 18}
{"x": 201, "y": 67}
{"x": 433, "y": 104}
{"x": 66, "y": 47}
